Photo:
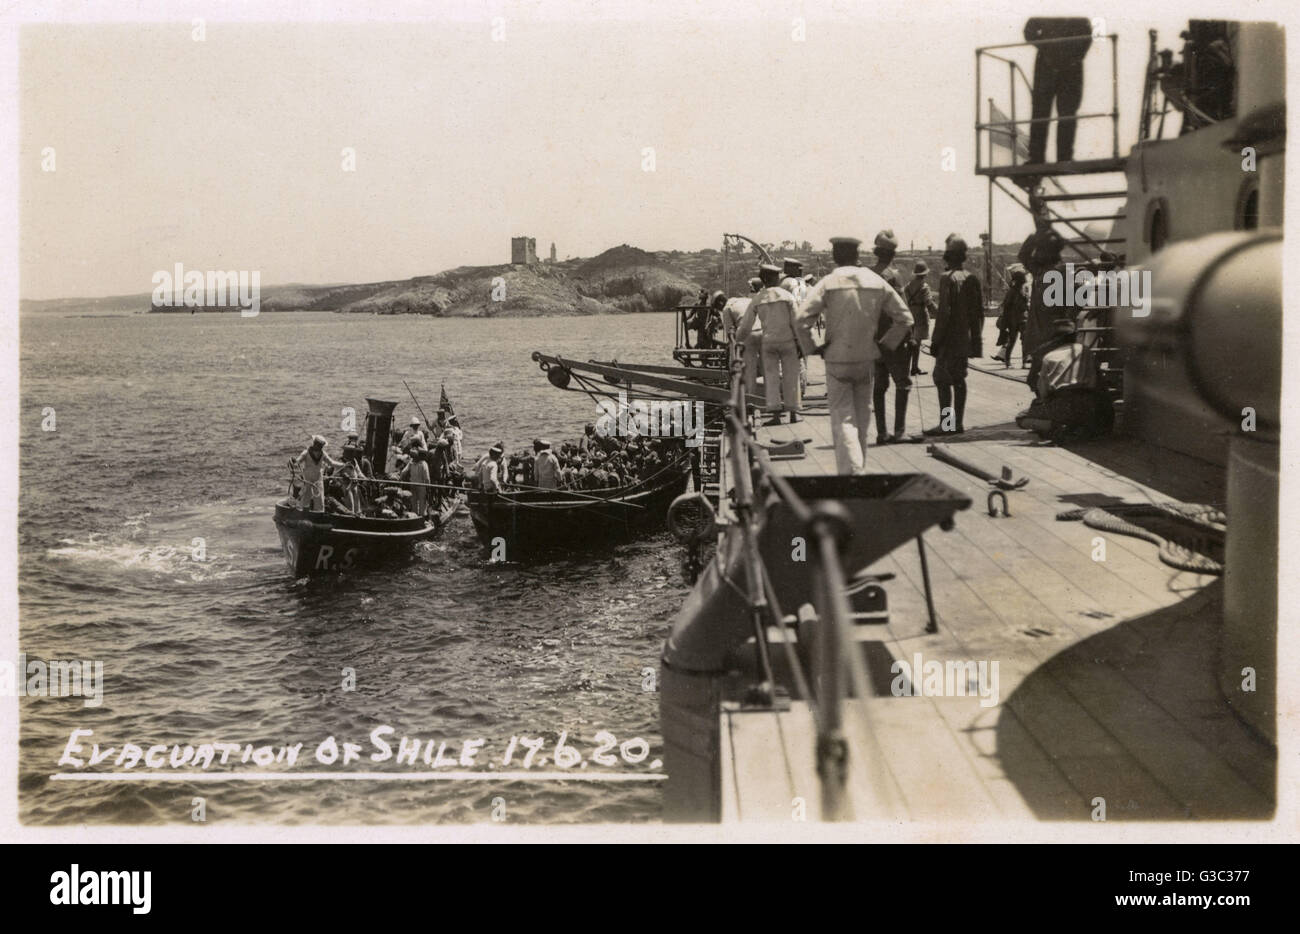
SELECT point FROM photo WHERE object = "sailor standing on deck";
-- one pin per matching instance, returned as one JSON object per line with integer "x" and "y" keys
{"x": 752, "y": 352}
{"x": 546, "y": 466}
{"x": 793, "y": 283}
{"x": 853, "y": 301}
{"x": 893, "y": 361}
{"x": 311, "y": 467}
{"x": 774, "y": 307}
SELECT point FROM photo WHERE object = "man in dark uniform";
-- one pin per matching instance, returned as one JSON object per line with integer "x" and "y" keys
{"x": 957, "y": 334}
{"x": 1040, "y": 254}
{"x": 1058, "y": 76}
{"x": 1015, "y": 305}
{"x": 893, "y": 361}
{"x": 920, "y": 302}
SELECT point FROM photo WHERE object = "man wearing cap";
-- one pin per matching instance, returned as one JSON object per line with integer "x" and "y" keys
{"x": 488, "y": 470}
{"x": 546, "y": 466}
{"x": 921, "y": 303}
{"x": 587, "y": 443}
{"x": 1040, "y": 254}
{"x": 774, "y": 308}
{"x": 752, "y": 346}
{"x": 311, "y": 465}
{"x": 852, "y": 300}
{"x": 958, "y": 331}
{"x": 792, "y": 270}
{"x": 893, "y": 361}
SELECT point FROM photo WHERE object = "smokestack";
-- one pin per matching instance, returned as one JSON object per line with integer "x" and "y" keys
{"x": 379, "y": 425}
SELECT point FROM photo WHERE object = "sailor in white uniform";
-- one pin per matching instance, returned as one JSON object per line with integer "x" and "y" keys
{"x": 852, "y": 300}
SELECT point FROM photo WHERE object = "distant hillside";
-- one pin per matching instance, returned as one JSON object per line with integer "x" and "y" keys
{"x": 623, "y": 279}
{"x": 634, "y": 280}
{"x": 463, "y": 292}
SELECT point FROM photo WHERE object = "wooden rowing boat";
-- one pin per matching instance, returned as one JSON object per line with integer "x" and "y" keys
{"x": 530, "y": 521}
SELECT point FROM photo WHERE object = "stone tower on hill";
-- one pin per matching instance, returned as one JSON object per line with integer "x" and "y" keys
{"x": 523, "y": 251}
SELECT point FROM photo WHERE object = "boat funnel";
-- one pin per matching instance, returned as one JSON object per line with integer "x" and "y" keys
{"x": 379, "y": 426}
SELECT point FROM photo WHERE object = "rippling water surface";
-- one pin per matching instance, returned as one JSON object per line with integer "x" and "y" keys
{"x": 175, "y": 427}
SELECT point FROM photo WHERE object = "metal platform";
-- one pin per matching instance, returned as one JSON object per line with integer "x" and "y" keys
{"x": 1045, "y": 169}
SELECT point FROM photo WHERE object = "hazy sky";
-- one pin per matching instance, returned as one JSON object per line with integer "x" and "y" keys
{"x": 227, "y": 153}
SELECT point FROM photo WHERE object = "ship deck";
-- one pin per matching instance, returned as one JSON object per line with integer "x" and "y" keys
{"x": 1106, "y": 684}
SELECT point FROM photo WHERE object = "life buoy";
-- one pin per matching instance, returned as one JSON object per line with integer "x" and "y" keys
{"x": 691, "y": 518}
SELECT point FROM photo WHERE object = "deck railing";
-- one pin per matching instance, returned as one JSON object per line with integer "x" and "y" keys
{"x": 828, "y": 529}
{"x": 1009, "y": 126}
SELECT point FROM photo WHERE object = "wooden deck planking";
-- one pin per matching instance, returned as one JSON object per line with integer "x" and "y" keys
{"x": 1136, "y": 726}
{"x": 1008, "y": 596}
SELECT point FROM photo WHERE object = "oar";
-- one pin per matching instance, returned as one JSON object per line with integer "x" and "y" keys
{"x": 417, "y": 405}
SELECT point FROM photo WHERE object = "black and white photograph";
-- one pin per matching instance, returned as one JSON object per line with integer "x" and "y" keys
{"x": 701, "y": 421}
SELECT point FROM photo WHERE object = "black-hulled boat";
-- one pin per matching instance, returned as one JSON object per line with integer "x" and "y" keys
{"x": 542, "y": 520}
{"x": 319, "y": 543}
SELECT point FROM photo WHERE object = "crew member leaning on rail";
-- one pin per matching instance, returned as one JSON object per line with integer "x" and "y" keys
{"x": 852, "y": 300}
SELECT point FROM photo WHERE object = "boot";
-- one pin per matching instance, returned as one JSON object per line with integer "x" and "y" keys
{"x": 900, "y": 415}
{"x": 945, "y": 400}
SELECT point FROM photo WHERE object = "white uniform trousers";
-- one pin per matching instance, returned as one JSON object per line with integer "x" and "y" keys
{"x": 781, "y": 375}
{"x": 848, "y": 392}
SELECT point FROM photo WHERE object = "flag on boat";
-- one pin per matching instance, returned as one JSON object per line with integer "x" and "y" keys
{"x": 444, "y": 402}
